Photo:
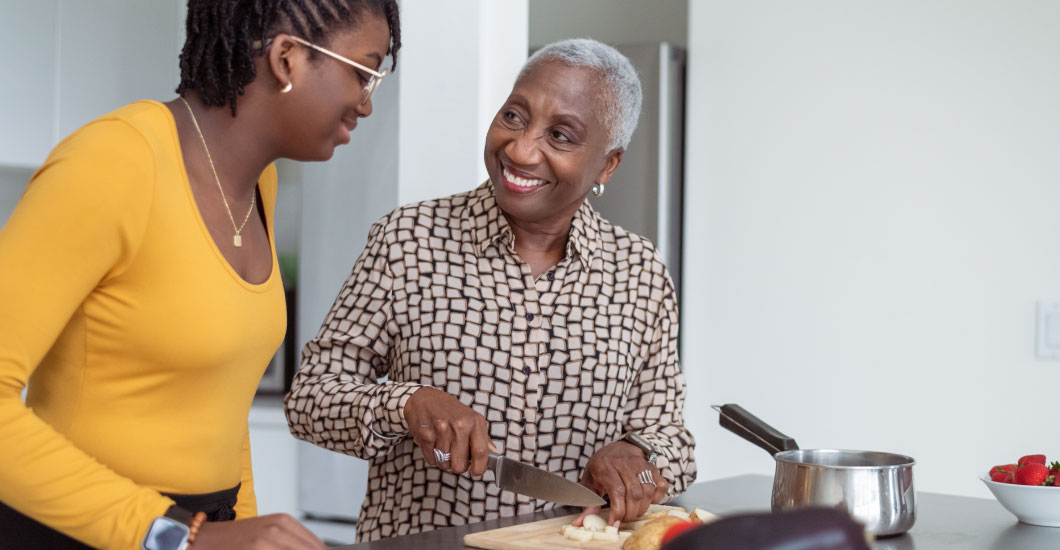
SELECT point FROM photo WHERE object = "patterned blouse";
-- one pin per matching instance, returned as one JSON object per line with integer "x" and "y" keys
{"x": 560, "y": 365}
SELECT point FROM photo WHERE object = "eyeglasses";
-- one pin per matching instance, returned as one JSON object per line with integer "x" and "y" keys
{"x": 373, "y": 80}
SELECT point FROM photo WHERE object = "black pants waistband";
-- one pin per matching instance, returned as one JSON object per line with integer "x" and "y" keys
{"x": 20, "y": 532}
{"x": 219, "y": 506}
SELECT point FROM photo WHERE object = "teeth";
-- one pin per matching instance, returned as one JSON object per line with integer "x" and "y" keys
{"x": 522, "y": 182}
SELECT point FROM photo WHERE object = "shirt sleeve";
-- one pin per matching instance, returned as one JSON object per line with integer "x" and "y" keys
{"x": 656, "y": 400}
{"x": 246, "y": 500}
{"x": 338, "y": 399}
{"x": 78, "y": 223}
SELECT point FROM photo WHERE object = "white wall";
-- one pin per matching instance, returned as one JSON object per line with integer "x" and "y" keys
{"x": 502, "y": 48}
{"x": 872, "y": 212}
{"x": 459, "y": 62}
{"x": 610, "y": 21}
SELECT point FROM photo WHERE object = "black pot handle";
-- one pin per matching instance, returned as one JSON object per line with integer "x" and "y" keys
{"x": 737, "y": 420}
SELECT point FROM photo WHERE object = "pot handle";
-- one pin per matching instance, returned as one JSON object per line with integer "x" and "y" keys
{"x": 737, "y": 420}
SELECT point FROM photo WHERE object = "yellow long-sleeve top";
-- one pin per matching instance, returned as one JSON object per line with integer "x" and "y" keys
{"x": 141, "y": 346}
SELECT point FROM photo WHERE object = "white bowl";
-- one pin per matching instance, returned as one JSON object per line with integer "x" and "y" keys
{"x": 1031, "y": 504}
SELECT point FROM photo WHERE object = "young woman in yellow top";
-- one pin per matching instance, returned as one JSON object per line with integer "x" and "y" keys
{"x": 140, "y": 292}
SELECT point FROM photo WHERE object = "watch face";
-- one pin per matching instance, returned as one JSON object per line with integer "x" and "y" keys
{"x": 166, "y": 534}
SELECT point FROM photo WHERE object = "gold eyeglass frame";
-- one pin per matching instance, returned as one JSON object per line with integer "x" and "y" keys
{"x": 373, "y": 82}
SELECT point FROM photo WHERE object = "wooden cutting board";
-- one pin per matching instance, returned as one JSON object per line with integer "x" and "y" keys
{"x": 545, "y": 535}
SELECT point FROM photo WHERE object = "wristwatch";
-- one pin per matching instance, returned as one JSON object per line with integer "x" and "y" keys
{"x": 651, "y": 454}
{"x": 169, "y": 532}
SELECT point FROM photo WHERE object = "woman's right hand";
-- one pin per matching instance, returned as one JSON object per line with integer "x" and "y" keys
{"x": 437, "y": 420}
{"x": 271, "y": 532}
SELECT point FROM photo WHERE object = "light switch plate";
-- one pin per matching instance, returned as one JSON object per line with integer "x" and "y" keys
{"x": 1048, "y": 330}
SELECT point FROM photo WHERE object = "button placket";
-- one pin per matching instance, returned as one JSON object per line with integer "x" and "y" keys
{"x": 535, "y": 339}
{"x": 533, "y": 307}
{"x": 545, "y": 294}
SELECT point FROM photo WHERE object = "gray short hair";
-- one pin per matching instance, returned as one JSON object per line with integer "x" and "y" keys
{"x": 622, "y": 108}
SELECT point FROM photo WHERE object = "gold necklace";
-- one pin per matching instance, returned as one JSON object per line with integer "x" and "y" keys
{"x": 237, "y": 240}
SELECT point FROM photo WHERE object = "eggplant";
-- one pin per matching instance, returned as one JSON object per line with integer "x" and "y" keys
{"x": 813, "y": 528}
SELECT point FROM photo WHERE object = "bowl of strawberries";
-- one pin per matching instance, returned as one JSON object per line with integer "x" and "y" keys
{"x": 1030, "y": 489}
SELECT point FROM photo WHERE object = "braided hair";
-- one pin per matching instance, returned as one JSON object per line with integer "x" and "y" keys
{"x": 217, "y": 61}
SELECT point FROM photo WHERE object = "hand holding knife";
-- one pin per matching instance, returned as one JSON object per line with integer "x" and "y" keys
{"x": 454, "y": 437}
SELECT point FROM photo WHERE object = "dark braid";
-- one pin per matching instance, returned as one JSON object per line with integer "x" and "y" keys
{"x": 217, "y": 61}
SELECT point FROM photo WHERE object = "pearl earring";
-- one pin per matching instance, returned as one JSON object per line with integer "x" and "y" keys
{"x": 598, "y": 189}
{"x": 287, "y": 88}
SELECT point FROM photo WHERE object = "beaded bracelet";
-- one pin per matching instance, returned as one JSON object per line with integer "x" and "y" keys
{"x": 196, "y": 524}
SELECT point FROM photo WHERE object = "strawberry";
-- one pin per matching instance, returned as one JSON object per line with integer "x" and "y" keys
{"x": 1003, "y": 467}
{"x": 1032, "y": 474}
{"x": 1054, "y": 468}
{"x": 1032, "y": 459}
{"x": 1003, "y": 474}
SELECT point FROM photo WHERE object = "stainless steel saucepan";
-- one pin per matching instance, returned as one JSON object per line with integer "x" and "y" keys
{"x": 876, "y": 488}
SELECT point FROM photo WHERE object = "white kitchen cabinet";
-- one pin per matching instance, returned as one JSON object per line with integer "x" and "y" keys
{"x": 70, "y": 61}
{"x": 12, "y": 184}
{"x": 277, "y": 457}
{"x": 114, "y": 52}
{"x": 274, "y": 453}
{"x": 28, "y": 96}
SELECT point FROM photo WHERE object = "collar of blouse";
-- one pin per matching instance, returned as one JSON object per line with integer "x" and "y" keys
{"x": 488, "y": 226}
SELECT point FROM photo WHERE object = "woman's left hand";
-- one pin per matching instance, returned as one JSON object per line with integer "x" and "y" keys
{"x": 615, "y": 471}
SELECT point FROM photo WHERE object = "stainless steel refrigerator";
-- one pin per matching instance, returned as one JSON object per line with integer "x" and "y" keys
{"x": 644, "y": 196}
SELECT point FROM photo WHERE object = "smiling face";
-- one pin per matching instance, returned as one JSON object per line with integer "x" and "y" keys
{"x": 324, "y": 103}
{"x": 547, "y": 146}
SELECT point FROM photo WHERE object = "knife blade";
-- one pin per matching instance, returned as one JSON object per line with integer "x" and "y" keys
{"x": 524, "y": 479}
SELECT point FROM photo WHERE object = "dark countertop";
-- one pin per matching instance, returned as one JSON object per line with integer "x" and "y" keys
{"x": 944, "y": 522}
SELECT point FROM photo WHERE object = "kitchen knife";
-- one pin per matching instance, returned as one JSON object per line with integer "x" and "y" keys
{"x": 517, "y": 477}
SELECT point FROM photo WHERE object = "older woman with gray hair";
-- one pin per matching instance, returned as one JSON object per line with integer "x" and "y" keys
{"x": 510, "y": 318}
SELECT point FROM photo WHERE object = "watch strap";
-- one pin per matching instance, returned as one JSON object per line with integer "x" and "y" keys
{"x": 650, "y": 452}
{"x": 179, "y": 514}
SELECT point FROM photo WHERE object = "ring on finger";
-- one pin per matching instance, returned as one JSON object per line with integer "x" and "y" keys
{"x": 646, "y": 478}
{"x": 441, "y": 456}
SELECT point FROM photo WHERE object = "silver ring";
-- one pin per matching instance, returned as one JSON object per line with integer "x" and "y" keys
{"x": 647, "y": 478}
{"x": 441, "y": 457}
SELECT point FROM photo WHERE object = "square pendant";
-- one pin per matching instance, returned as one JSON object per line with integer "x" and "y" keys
{"x": 237, "y": 240}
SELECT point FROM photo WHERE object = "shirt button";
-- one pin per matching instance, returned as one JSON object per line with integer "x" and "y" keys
{"x": 526, "y": 371}
{"x": 551, "y": 276}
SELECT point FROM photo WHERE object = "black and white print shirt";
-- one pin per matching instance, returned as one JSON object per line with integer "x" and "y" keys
{"x": 560, "y": 365}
